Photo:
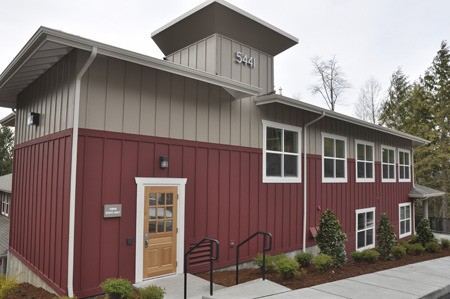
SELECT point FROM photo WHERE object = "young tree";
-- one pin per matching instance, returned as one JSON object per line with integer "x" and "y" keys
{"x": 386, "y": 236}
{"x": 332, "y": 82}
{"x": 6, "y": 147}
{"x": 331, "y": 239}
{"x": 368, "y": 105}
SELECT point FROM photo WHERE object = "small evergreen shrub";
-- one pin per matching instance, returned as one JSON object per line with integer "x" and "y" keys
{"x": 286, "y": 267}
{"x": 424, "y": 233}
{"x": 398, "y": 251}
{"x": 433, "y": 247}
{"x": 7, "y": 285}
{"x": 304, "y": 258}
{"x": 117, "y": 288}
{"x": 445, "y": 243}
{"x": 258, "y": 261}
{"x": 322, "y": 262}
{"x": 152, "y": 292}
{"x": 415, "y": 249}
{"x": 330, "y": 238}
{"x": 386, "y": 236}
{"x": 403, "y": 243}
{"x": 414, "y": 239}
{"x": 368, "y": 255}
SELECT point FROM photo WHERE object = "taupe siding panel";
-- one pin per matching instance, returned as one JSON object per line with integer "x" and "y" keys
{"x": 214, "y": 115}
{"x": 225, "y": 119}
{"x": 52, "y": 96}
{"x": 190, "y": 110}
{"x": 176, "y": 107}
{"x": 114, "y": 95}
{"x": 148, "y": 102}
{"x": 163, "y": 104}
{"x": 95, "y": 107}
{"x": 202, "y": 111}
{"x": 132, "y": 103}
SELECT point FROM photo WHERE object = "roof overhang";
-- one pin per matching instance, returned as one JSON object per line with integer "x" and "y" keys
{"x": 275, "y": 98}
{"x": 217, "y": 16}
{"x": 422, "y": 192}
{"x": 48, "y": 46}
{"x": 9, "y": 120}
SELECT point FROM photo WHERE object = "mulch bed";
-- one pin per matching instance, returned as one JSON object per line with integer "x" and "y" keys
{"x": 28, "y": 291}
{"x": 313, "y": 277}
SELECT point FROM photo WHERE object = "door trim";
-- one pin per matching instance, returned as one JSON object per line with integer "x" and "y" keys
{"x": 141, "y": 183}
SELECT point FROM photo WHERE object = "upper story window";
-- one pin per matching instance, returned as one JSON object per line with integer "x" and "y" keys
{"x": 365, "y": 228}
{"x": 334, "y": 159}
{"x": 5, "y": 202}
{"x": 405, "y": 219}
{"x": 404, "y": 166}
{"x": 387, "y": 164}
{"x": 281, "y": 153}
{"x": 364, "y": 161}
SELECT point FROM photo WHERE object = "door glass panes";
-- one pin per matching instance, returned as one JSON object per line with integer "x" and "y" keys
{"x": 161, "y": 213}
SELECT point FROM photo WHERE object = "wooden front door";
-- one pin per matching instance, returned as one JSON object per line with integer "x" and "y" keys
{"x": 160, "y": 230}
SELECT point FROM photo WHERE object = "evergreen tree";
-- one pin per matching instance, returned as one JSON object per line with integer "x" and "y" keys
{"x": 6, "y": 147}
{"x": 331, "y": 239}
{"x": 386, "y": 236}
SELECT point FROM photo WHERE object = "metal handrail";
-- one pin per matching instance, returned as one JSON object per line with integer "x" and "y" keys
{"x": 212, "y": 258}
{"x": 263, "y": 267}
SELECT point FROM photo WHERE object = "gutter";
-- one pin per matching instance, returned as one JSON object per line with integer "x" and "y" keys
{"x": 73, "y": 170}
{"x": 305, "y": 175}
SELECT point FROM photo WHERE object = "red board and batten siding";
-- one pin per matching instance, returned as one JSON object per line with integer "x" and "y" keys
{"x": 40, "y": 225}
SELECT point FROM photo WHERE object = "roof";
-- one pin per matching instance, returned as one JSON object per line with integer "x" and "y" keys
{"x": 6, "y": 183}
{"x": 275, "y": 98}
{"x": 9, "y": 120}
{"x": 4, "y": 235}
{"x": 48, "y": 46}
{"x": 420, "y": 191}
{"x": 218, "y": 16}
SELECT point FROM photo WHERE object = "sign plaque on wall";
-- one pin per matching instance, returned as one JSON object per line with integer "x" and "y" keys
{"x": 111, "y": 211}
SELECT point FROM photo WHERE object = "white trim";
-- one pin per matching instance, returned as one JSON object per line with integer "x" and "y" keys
{"x": 404, "y": 165}
{"x": 356, "y": 226}
{"x": 365, "y": 143}
{"x": 394, "y": 180}
{"x": 334, "y": 179}
{"x": 282, "y": 179}
{"x": 141, "y": 183}
{"x": 400, "y": 219}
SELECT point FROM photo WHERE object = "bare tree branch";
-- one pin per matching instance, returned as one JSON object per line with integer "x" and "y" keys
{"x": 368, "y": 104}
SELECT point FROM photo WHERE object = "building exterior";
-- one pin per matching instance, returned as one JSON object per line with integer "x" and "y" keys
{"x": 122, "y": 161}
{"x": 5, "y": 203}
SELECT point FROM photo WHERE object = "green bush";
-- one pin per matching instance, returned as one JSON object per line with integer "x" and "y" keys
{"x": 433, "y": 247}
{"x": 398, "y": 251}
{"x": 304, "y": 258}
{"x": 357, "y": 256}
{"x": 7, "y": 285}
{"x": 386, "y": 236}
{"x": 403, "y": 243}
{"x": 415, "y": 249}
{"x": 445, "y": 243}
{"x": 368, "y": 255}
{"x": 414, "y": 239}
{"x": 117, "y": 288}
{"x": 330, "y": 238}
{"x": 322, "y": 262}
{"x": 286, "y": 267}
{"x": 258, "y": 261}
{"x": 152, "y": 292}
{"x": 424, "y": 233}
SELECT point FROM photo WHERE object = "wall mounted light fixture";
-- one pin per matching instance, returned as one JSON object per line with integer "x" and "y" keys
{"x": 33, "y": 119}
{"x": 163, "y": 161}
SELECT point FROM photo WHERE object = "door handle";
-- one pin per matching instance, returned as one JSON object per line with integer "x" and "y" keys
{"x": 146, "y": 240}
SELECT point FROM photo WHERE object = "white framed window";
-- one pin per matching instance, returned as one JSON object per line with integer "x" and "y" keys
{"x": 334, "y": 158}
{"x": 387, "y": 164}
{"x": 404, "y": 165}
{"x": 365, "y": 228}
{"x": 281, "y": 153}
{"x": 404, "y": 210}
{"x": 5, "y": 203}
{"x": 364, "y": 152}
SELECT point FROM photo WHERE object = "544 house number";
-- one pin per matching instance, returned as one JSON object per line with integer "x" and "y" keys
{"x": 246, "y": 60}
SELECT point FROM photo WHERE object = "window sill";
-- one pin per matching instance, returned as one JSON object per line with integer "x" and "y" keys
{"x": 280, "y": 180}
{"x": 388, "y": 180}
{"x": 365, "y": 180}
{"x": 405, "y": 235}
{"x": 404, "y": 180}
{"x": 367, "y": 247}
{"x": 334, "y": 180}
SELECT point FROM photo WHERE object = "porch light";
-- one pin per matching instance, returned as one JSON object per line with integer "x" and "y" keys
{"x": 33, "y": 119}
{"x": 163, "y": 161}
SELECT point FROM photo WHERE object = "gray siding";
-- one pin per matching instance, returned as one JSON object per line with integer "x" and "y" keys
{"x": 52, "y": 96}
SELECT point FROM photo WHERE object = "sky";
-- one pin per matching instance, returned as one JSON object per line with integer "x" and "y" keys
{"x": 368, "y": 37}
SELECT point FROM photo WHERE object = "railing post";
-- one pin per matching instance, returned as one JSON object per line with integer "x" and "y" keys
{"x": 264, "y": 258}
{"x": 237, "y": 265}
{"x": 211, "y": 267}
{"x": 185, "y": 278}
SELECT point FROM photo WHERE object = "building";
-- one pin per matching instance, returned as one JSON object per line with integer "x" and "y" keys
{"x": 122, "y": 161}
{"x": 5, "y": 203}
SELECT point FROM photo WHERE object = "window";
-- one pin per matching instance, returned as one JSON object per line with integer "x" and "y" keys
{"x": 404, "y": 166}
{"x": 281, "y": 153}
{"x": 5, "y": 200}
{"x": 364, "y": 161}
{"x": 365, "y": 228}
{"x": 405, "y": 219}
{"x": 334, "y": 159}
{"x": 387, "y": 164}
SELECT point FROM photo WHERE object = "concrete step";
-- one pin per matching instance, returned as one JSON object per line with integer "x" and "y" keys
{"x": 252, "y": 289}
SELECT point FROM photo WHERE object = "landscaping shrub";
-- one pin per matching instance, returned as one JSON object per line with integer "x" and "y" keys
{"x": 433, "y": 247}
{"x": 414, "y": 239}
{"x": 152, "y": 292}
{"x": 304, "y": 258}
{"x": 331, "y": 239}
{"x": 7, "y": 285}
{"x": 286, "y": 267}
{"x": 445, "y": 243}
{"x": 415, "y": 249}
{"x": 322, "y": 262}
{"x": 386, "y": 236}
{"x": 357, "y": 256}
{"x": 258, "y": 261}
{"x": 117, "y": 288}
{"x": 398, "y": 251}
{"x": 403, "y": 243}
{"x": 368, "y": 255}
{"x": 424, "y": 233}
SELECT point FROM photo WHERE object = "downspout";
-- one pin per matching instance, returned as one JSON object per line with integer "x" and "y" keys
{"x": 73, "y": 170}
{"x": 305, "y": 174}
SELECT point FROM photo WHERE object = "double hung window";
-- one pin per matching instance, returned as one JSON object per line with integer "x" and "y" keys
{"x": 404, "y": 166}
{"x": 365, "y": 161}
{"x": 334, "y": 158}
{"x": 5, "y": 202}
{"x": 387, "y": 164}
{"x": 365, "y": 228}
{"x": 405, "y": 219}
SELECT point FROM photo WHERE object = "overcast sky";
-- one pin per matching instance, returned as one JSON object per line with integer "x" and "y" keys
{"x": 369, "y": 38}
